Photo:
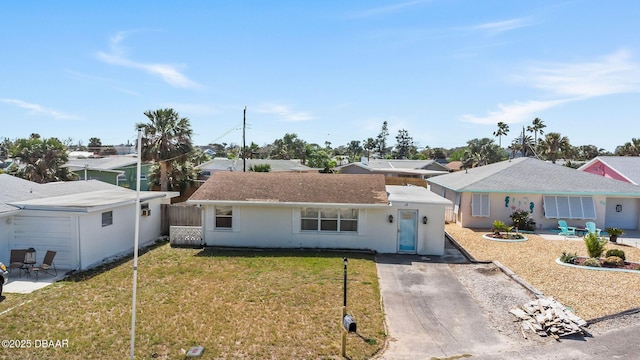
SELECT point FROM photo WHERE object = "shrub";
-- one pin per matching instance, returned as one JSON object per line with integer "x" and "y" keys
{"x": 615, "y": 252}
{"x": 613, "y": 261}
{"x": 614, "y": 231}
{"x": 568, "y": 258}
{"x": 522, "y": 220}
{"x": 499, "y": 226}
{"x": 260, "y": 168}
{"x": 595, "y": 245}
{"x": 592, "y": 262}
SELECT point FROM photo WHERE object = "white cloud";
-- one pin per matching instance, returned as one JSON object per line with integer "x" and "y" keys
{"x": 568, "y": 82}
{"x": 514, "y": 113}
{"x": 613, "y": 74}
{"x": 502, "y": 26}
{"x": 39, "y": 109}
{"x": 168, "y": 73}
{"x": 284, "y": 112}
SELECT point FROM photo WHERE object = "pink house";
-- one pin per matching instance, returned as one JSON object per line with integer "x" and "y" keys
{"x": 623, "y": 168}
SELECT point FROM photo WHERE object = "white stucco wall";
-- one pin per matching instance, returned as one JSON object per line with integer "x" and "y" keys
{"x": 99, "y": 243}
{"x": 279, "y": 227}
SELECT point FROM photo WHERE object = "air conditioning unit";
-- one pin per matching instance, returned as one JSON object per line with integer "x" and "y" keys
{"x": 146, "y": 212}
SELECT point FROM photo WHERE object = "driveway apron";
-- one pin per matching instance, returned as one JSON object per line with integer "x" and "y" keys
{"x": 429, "y": 313}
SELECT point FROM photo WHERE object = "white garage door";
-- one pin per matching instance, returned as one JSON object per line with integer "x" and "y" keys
{"x": 47, "y": 233}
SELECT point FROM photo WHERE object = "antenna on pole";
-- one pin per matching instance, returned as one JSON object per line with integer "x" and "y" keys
{"x": 244, "y": 144}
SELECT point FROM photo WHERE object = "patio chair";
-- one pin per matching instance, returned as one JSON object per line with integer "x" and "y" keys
{"x": 16, "y": 260}
{"x": 565, "y": 229}
{"x": 591, "y": 227}
{"x": 47, "y": 266}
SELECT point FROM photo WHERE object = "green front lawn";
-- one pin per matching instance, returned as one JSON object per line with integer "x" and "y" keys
{"x": 251, "y": 305}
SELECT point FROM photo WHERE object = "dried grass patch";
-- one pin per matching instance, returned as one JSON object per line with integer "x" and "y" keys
{"x": 238, "y": 305}
{"x": 591, "y": 294}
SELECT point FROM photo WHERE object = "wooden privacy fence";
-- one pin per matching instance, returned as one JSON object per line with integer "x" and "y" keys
{"x": 180, "y": 215}
{"x": 400, "y": 180}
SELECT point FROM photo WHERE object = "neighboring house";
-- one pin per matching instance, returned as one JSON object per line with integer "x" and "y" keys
{"x": 624, "y": 168}
{"x": 454, "y": 165}
{"x": 118, "y": 170}
{"x": 395, "y": 168}
{"x": 312, "y": 210}
{"x": 548, "y": 191}
{"x": 224, "y": 164}
{"x": 85, "y": 222}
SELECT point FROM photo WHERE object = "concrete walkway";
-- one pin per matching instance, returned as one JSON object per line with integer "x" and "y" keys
{"x": 630, "y": 238}
{"x": 27, "y": 285}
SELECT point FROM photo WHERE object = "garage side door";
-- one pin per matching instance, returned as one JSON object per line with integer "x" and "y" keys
{"x": 46, "y": 233}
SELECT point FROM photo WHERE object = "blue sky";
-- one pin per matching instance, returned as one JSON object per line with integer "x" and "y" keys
{"x": 446, "y": 71}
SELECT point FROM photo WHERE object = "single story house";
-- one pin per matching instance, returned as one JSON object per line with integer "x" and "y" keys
{"x": 313, "y": 210}
{"x": 225, "y": 164}
{"x": 624, "y": 168}
{"x": 85, "y": 222}
{"x": 550, "y": 192}
{"x": 395, "y": 168}
{"x": 118, "y": 170}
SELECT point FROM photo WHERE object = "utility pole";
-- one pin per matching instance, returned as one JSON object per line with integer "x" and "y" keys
{"x": 244, "y": 144}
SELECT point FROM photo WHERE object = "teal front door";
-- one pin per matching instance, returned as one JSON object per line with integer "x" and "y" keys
{"x": 407, "y": 230}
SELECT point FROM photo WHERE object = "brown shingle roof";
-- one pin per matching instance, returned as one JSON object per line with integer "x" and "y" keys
{"x": 293, "y": 188}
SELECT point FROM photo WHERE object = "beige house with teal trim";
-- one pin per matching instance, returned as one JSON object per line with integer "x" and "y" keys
{"x": 550, "y": 192}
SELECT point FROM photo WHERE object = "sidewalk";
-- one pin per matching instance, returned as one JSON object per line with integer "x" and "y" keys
{"x": 630, "y": 238}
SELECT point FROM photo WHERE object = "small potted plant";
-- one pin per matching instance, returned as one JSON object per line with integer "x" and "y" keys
{"x": 614, "y": 233}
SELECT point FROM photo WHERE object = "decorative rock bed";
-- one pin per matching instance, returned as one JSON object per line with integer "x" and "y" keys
{"x": 598, "y": 268}
{"x": 516, "y": 238}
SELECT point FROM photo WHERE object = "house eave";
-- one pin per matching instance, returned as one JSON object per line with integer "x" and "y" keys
{"x": 286, "y": 204}
{"x": 549, "y": 192}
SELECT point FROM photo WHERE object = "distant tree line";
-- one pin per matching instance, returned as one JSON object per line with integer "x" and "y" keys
{"x": 166, "y": 141}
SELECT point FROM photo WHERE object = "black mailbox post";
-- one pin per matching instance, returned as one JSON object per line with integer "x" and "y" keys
{"x": 349, "y": 323}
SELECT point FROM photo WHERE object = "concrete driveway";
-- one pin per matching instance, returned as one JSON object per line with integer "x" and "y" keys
{"x": 429, "y": 313}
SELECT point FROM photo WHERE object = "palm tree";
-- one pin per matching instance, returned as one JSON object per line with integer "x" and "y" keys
{"x": 165, "y": 138}
{"x": 369, "y": 144}
{"x": 503, "y": 129}
{"x": 536, "y": 128}
{"x": 41, "y": 159}
{"x": 481, "y": 152}
{"x": 552, "y": 145}
{"x": 630, "y": 148}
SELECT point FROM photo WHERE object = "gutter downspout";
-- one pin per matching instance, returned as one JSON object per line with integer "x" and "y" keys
{"x": 78, "y": 236}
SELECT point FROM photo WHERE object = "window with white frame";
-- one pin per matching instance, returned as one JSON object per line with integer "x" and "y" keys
{"x": 569, "y": 207}
{"x": 107, "y": 218}
{"x": 329, "y": 219}
{"x": 224, "y": 217}
{"x": 480, "y": 205}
